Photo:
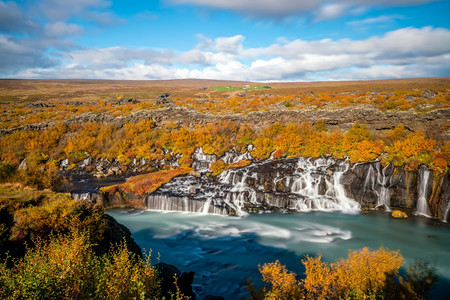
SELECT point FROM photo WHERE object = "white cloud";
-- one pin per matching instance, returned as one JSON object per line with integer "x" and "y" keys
{"x": 118, "y": 56}
{"x": 319, "y": 9}
{"x": 331, "y": 11}
{"x": 232, "y": 45}
{"x": 407, "y": 52}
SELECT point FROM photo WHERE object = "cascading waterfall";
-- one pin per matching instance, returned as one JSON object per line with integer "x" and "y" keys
{"x": 369, "y": 182}
{"x": 446, "y": 214}
{"x": 234, "y": 156}
{"x": 317, "y": 191}
{"x": 206, "y": 206}
{"x": 186, "y": 204}
{"x": 202, "y": 161}
{"x": 241, "y": 192}
{"x": 422, "y": 205}
{"x": 384, "y": 194}
{"x": 91, "y": 197}
{"x": 309, "y": 185}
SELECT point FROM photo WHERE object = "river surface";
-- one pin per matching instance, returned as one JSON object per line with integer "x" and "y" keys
{"x": 224, "y": 251}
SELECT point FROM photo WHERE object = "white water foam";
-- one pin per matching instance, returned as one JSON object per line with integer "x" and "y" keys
{"x": 422, "y": 205}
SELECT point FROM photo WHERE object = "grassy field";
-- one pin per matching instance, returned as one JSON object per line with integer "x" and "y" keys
{"x": 34, "y": 90}
{"x": 36, "y": 101}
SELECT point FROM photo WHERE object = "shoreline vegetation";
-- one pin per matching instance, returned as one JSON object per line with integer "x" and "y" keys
{"x": 57, "y": 248}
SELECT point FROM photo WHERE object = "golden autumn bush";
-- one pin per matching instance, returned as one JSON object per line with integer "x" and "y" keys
{"x": 364, "y": 274}
{"x": 53, "y": 247}
{"x": 66, "y": 267}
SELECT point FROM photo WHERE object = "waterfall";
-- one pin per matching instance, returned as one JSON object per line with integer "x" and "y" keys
{"x": 422, "y": 205}
{"x": 369, "y": 181}
{"x": 240, "y": 192}
{"x": 446, "y": 214}
{"x": 233, "y": 156}
{"x": 294, "y": 184}
{"x": 206, "y": 206}
{"x": 91, "y": 197}
{"x": 186, "y": 204}
{"x": 202, "y": 161}
{"x": 384, "y": 194}
{"x": 319, "y": 190}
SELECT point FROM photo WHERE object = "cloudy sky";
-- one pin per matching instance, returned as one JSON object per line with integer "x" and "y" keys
{"x": 255, "y": 40}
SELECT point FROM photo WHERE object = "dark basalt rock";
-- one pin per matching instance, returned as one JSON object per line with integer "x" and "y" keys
{"x": 114, "y": 234}
{"x": 184, "y": 280}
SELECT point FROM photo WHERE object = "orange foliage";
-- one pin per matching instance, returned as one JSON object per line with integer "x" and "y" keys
{"x": 363, "y": 275}
{"x": 219, "y": 166}
{"x": 147, "y": 183}
{"x": 413, "y": 150}
{"x": 283, "y": 283}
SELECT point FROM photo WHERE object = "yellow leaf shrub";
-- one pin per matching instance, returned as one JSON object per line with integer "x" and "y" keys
{"x": 363, "y": 275}
{"x": 283, "y": 283}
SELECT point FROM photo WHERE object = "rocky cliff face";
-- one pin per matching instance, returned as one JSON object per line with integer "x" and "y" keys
{"x": 296, "y": 184}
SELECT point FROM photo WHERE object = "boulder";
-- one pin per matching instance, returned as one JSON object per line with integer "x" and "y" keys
{"x": 398, "y": 214}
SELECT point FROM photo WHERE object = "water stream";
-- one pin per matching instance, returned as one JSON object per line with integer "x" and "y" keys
{"x": 224, "y": 251}
{"x": 422, "y": 205}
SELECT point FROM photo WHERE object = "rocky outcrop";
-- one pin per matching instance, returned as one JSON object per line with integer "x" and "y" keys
{"x": 114, "y": 234}
{"x": 420, "y": 190}
{"x": 375, "y": 120}
{"x": 298, "y": 184}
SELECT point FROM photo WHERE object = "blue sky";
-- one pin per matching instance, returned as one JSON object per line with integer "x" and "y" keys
{"x": 255, "y": 40}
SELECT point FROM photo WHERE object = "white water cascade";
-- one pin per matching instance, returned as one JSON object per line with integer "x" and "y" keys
{"x": 202, "y": 162}
{"x": 422, "y": 205}
{"x": 384, "y": 194}
{"x": 446, "y": 214}
{"x": 320, "y": 191}
{"x": 234, "y": 156}
{"x": 186, "y": 204}
{"x": 91, "y": 197}
{"x": 369, "y": 182}
{"x": 294, "y": 184}
{"x": 241, "y": 192}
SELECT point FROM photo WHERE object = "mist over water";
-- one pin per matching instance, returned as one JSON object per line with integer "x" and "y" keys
{"x": 224, "y": 251}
